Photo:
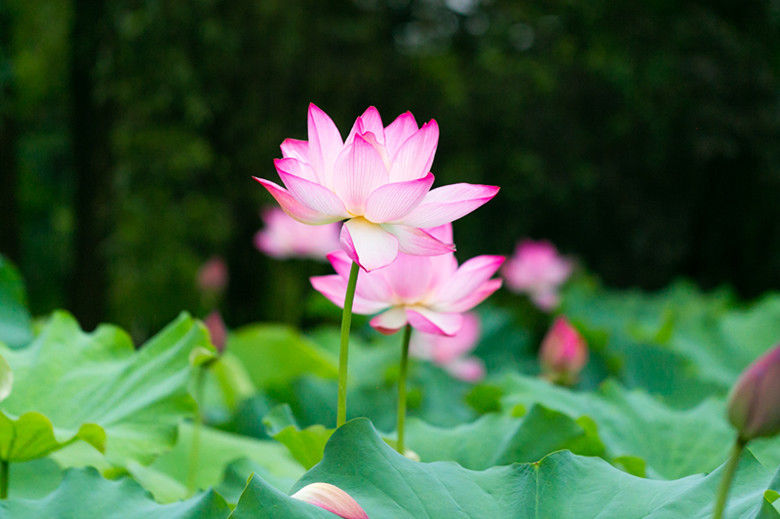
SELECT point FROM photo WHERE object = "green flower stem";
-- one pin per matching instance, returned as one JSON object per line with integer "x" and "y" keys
{"x": 192, "y": 471}
{"x": 3, "y": 479}
{"x": 402, "y": 387}
{"x": 728, "y": 476}
{"x": 346, "y": 322}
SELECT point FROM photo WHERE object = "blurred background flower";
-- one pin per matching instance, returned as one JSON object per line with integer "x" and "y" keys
{"x": 283, "y": 237}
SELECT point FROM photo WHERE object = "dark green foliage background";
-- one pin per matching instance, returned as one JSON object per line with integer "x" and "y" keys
{"x": 642, "y": 136}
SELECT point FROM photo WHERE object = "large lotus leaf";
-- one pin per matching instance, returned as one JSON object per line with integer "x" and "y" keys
{"x": 167, "y": 477}
{"x": 15, "y": 322}
{"x": 305, "y": 445}
{"x": 84, "y": 494}
{"x": 274, "y": 355}
{"x": 560, "y": 486}
{"x": 673, "y": 443}
{"x": 96, "y": 387}
{"x": 500, "y": 439}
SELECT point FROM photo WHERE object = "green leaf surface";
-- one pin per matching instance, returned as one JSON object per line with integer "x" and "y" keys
{"x": 96, "y": 387}
{"x": 15, "y": 320}
{"x": 305, "y": 445}
{"x": 84, "y": 494}
{"x": 560, "y": 486}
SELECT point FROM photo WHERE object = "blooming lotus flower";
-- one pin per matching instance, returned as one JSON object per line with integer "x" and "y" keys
{"x": 332, "y": 499}
{"x": 754, "y": 402}
{"x": 451, "y": 352}
{"x": 537, "y": 269}
{"x": 429, "y": 292}
{"x": 213, "y": 275}
{"x": 378, "y": 180}
{"x": 284, "y": 237}
{"x": 563, "y": 353}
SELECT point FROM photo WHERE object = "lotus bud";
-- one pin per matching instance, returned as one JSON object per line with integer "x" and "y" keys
{"x": 332, "y": 499}
{"x": 754, "y": 402}
{"x": 563, "y": 353}
{"x": 217, "y": 330}
{"x": 213, "y": 275}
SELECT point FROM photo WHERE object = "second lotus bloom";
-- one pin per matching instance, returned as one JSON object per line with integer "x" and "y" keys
{"x": 378, "y": 180}
{"x": 429, "y": 292}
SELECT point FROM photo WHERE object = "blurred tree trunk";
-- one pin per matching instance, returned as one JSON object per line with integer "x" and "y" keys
{"x": 90, "y": 125}
{"x": 9, "y": 226}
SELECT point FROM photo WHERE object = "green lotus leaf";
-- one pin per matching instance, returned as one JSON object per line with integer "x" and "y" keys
{"x": 306, "y": 445}
{"x": 15, "y": 320}
{"x": 96, "y": 387}
{"x": 84, "y": 494}
{"x": 6, "y": 379}
{"x": 562, "y": 486}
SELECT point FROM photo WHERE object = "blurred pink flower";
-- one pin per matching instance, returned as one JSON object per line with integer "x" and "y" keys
{"x": 429, "y": 292}
{"x": 284, "y": 237}
{"x": 213, "y": 275}
{"x": 451, "y": 352}
{"x": 332, "y": 499}
{"x": 563, "y": 353}
{"x": 378, "y": 180}
{"x": 537, "y": 269}
{"x": 754, "y": 402}
{"x": 217, "y": 330}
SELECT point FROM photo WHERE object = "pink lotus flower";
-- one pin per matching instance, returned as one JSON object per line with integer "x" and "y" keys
{"x": 378, "y": 180}
{"x": 332, "y": 499}
{"x": 213, "y": 275}
{"x": 284, "y": 237}
{"x": 563, "y": 353}
{"x": 428, "y": 292}
{"x": 451, "y": 352}
{"x": 537, "y": 269}
{"x": 754, "y": 402}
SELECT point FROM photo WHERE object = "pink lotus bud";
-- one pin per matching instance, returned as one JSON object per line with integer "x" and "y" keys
{"x": 538, "y": 270}
{"x": 332, "y": 499}
{"x": 754, "y": 402}
{"x": 217, "y": 330}
{"x": 213, "y": 275}
{"x": 563, "y": 353}
{"x": 283, "y": 237}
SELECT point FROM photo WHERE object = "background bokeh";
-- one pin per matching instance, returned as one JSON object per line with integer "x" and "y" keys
{"x": 642, "y": 137}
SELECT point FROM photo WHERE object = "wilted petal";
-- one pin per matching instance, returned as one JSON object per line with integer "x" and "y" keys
{"x": 399, "y": 131}
{"x": 429, "y": 321}
{"x": 359, "y": 170}
{"x": 334, "y": 287}
{"x": 295, "y": 207}
{"x": 324, "y": 142}
{"x": 415, "y": 156}
{"x": 390, "y": 321}
{"x": 367, "y": 244}
{"x": 469, "y": 276}
{"x": 295, "y": 149}
{"x": 448, "y": 203}
{"x": 392, "y": 201}
{"x": 418, "y": 242}
{"x": 314, "y": 195}
{"x": 332, "y": 499}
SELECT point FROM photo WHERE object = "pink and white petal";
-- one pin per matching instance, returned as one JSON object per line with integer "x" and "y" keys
{"x": 324, "y": 142}
{"x": 409, "y": 277}
{"x": 390, "y": 321}
{"x": 398, "y": 131}
{"x": 294, "y": 207}
{"x": 447, "y": 349}
{"x": 415, "y": 156}
{"x": 472, "y": 299}
{"x": 392, "y": 201}
{"x": 468, "y": 278}
{"x": 430, "y": 321}
{"x": 546, "y": 300}
{"x": 367, "y": 244}
{"x": 314, "y": 195}
{"x": 295, "y": 149}
{"x": 468, "y": 369}
{"x": 341, "y": 263}
{"x": 418, "y": 242}
{"x": 371, "y": 285}
{"x": 442, "y": 232}
{"x": 334, "y": 287}
{"x": 448, "y": 203}
{"x": 358, "y": 171}
{"x": 296, "y": 167}
{"x": 369, "y": 122}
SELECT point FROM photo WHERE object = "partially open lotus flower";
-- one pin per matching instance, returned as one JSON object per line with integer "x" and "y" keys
{"x": 378, "y": 180}
{"x": 284, "y": 237}
{"x": 754, "y": 402}
{"x": 429, "y": 292}
{"x": 563, "y": 353}
{"x": 537, "y": 269}
{"x": 451, "y": 353}
{"x": 332, "y": 499}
